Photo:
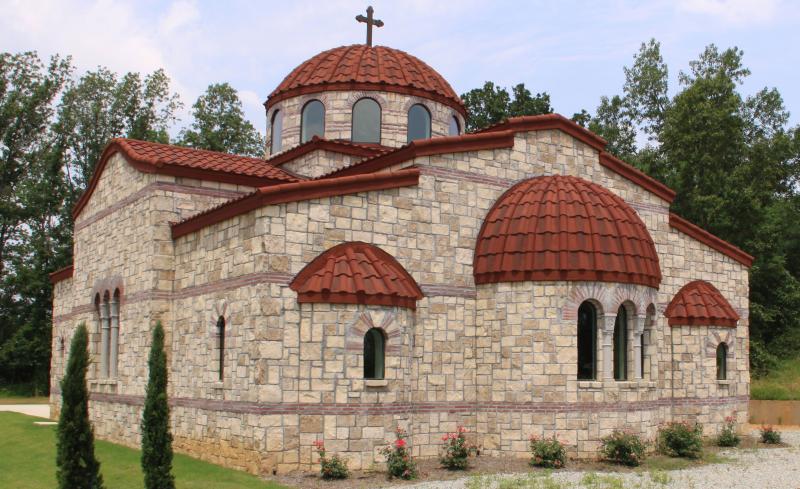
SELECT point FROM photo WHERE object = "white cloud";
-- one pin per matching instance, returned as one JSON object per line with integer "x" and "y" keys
{"x": 180, "y": 13}
{"x": 733, "y": 11}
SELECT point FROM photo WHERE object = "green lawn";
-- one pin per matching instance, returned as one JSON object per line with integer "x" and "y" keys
{"x": 782, "y": 384}
{"x": 27, "y": 461}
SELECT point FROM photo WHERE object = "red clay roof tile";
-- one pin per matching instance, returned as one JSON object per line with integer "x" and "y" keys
{"x": 356, "y": 273}
{"x": 362, "y": 67}
{"x": 564, "y": 228}
{"x": 700, "y": 303}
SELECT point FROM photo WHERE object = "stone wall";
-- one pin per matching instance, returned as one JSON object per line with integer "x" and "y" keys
{"x": 338, "y": 116}
{"x": 320, "y": 162}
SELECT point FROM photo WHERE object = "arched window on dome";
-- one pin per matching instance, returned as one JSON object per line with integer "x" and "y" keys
{"x": 366, "y": 121}
{"x": 277, "y": 132}
{"x": 455, "y": 127}
{"x": 312, "y": 120}
{"x": 587, "y": 341}
{"x": 374, "y": 353}
{"x": 722, "y": 361}
{"x": 620, "y": 343}
{"x": 419, "y": 123}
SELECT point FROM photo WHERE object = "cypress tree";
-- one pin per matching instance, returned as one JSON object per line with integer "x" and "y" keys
{"x": 77, "y": 467}
{"x": 156, "y": 438}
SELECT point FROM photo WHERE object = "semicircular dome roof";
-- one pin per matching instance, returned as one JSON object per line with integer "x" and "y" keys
{"x": 362, "y": 67}
{"x": 554, "y": 228}
{"x": 700, "y": 303}
{"x": 356, "y": 273}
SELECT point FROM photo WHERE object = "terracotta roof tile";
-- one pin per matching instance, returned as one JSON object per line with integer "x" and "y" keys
{"x": 356, "y": 273}
{"x": 564, "y": 228}
{"x": 362, "y": 67}
{"x": 700, "y": 303}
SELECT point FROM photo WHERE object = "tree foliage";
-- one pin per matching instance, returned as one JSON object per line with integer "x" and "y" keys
{"x": 156, "y": 437}
{"x": 492, "y": 104}
{"x": 219, "y": 124}
{"x": 77, "y": 466}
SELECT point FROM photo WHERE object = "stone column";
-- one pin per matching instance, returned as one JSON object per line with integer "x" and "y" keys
{"x": 113, "y": 362}
{"x": 104, "y": 326}
{"x": 608, "y": 347}
{"x": 638, "y": 331}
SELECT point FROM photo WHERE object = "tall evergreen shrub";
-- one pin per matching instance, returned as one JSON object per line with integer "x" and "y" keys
{"x": 156, "y": 438}
{"x": 77, "y": 467}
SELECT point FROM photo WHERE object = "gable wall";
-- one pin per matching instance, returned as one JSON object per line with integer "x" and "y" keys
{"x": 320, "y": 162}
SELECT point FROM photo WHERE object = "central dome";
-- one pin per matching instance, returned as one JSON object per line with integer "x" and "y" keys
{"x": 558, "y": 227}
{"x": 362, "y": 67}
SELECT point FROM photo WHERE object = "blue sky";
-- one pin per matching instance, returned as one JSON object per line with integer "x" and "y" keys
{"x": 573, "y": 50}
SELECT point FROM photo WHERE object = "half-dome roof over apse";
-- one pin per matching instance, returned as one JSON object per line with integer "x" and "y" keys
{"x": 554, "y": 228}
{"x": 699, "y": 303}
{"x": 356, "y": 273}
{"x": 362, "y": 67}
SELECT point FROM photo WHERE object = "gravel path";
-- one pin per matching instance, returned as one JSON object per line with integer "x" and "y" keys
{"x": 39, "y": 410}
{"x": 773, "y": 468}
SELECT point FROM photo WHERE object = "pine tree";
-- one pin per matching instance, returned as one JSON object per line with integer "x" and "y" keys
{"x": 77, "y": 466}
{"x": 156, "y": 438}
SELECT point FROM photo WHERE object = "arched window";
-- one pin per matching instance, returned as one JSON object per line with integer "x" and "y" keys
{"x": 113, "y": 352}
{"x": 277, "y": 132}
{"x": 455, "y": 127}
{"x": 366, "y": 121}
{"x": 312, "y": 121}
{"x": 221, "y": 349}
{"x": 374, "y": 351}
{"x": 419, "y": 123}
{"x": 587, "y": 342}
{"x": 722, "y": 361}
{"x": 621, "y": 345}
{"x": 105, "y": 334}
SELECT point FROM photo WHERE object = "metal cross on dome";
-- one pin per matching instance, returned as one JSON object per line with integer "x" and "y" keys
{"x": 370, "y": 22}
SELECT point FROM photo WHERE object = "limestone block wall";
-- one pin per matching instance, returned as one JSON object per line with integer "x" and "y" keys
{"x": 318, "y": 163}
{"x": 338, "y": 116}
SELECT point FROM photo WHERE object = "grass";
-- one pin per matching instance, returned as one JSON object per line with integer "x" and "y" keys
{"x": 23, "y": 400}
{"x": 28, "y": 451}
{"x": 782, "y": 384}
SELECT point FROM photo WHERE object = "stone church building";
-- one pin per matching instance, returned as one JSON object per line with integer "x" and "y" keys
{"x": 380, "y": 267}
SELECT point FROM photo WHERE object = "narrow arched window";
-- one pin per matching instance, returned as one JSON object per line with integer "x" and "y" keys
{"x": 366, "y": 121}
{"x": 374, "y": 351}
{"x": 105, "y": 334}
{"x": 587, "y": 342}
{"x": 419, "y": 123}
{"x": 277, "y": 132}
{"x": 312, "y": 121}
{"x": 455, "y": 127}
{"x": 221, "y": 349}
{"x": 621, "y": 345}
{"x": 722, "y": 361}
{"x": 113, "y": 351}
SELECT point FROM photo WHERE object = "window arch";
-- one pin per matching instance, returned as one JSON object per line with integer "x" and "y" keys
{"x": 587, "y": 341}
{"x": 374, "y": 354}
{"x": 276, "y": 132}
{"x": 221, "y": 348}
{"x": 621, "y": 345}
{"x": 366, "y": 121}
{"x": 312, "y": 120}
{"x": 722, "y": 361}
{"x": 419, "y": 123}
{"x": 455, "y": 127}
{"x": 113, "y": 351}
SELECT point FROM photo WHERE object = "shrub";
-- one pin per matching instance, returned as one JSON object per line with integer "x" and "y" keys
{"x": 399, "y": 461}
{"x": 330, "y": 467}
{"x": 681, "y": 440}
{"x": 456, "y": 452}
{"x": 156, "y": 438}
{"x": 75, "y": 459}
{"x": 547, "y": 452}
{"x": 770, "y": 435}
{"x": 727, "y": 436}
{"x": 623, "y": 448}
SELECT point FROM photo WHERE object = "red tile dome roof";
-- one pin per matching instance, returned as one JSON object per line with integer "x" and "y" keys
{"x": 700, "y": 303}
{"x": 356, "y": 273}
{"x": 554, "y": 228}
{"x": 362, "y": 67}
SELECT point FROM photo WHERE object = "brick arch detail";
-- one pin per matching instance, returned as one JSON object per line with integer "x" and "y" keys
{"x": 609, "y": 296}
{"x": 220, "y": 308}
{"x": 376, "y": 96}
{"x": 714, "y": 338}
{"x": 364, "y": 321}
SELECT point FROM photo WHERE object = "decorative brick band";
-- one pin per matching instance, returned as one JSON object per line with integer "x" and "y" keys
{"x": 434, "y": 290}
{"x": 152, "y": 187}
{"x": 404, "y": 408}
